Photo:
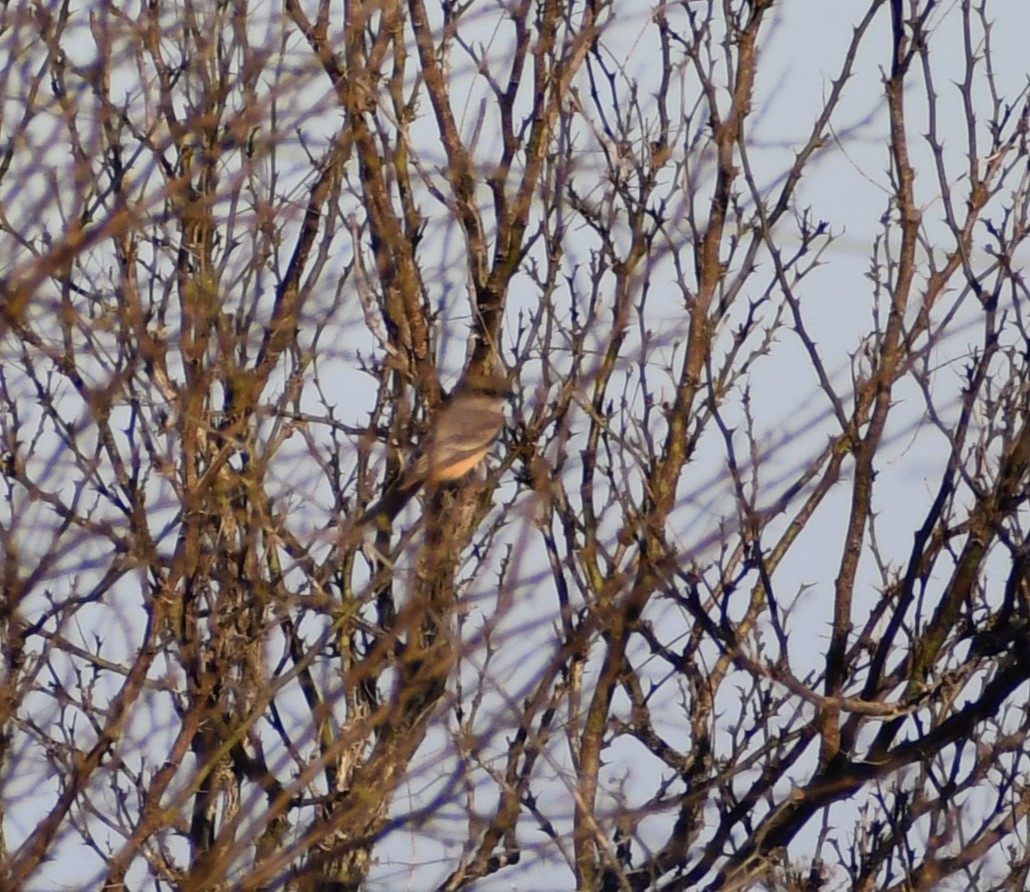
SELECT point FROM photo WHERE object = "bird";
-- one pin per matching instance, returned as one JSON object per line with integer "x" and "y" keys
{"x": 459, "y": 437}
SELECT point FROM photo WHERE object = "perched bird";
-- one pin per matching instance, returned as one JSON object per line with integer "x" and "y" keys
{"x": 459, "y": 437}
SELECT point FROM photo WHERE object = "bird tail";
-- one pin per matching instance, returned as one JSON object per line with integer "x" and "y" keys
{"x": 390, "y": 505}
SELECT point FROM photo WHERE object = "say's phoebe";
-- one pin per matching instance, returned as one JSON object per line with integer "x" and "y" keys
{"x": 458, "y": 439}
